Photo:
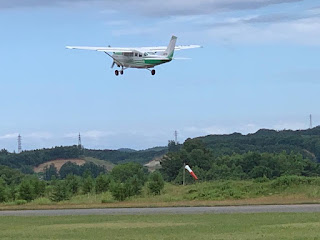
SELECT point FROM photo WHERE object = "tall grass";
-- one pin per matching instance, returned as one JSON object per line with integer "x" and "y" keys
{"x": 287, "y": 189}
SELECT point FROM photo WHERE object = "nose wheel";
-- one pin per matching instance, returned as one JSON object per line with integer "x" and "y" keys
{"x": 153, "y": 72}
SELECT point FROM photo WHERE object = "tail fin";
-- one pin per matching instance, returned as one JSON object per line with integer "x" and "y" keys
{"x": 170, "y": 49}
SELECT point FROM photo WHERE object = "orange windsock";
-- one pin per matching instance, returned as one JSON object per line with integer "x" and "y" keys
{"x": 191, "y": 172}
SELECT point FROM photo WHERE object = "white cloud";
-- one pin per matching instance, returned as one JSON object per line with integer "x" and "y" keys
{"x": 153, "y": 7}
{"x": 9, "y": 136}
{"x": 134, "y": 31}
{"x": 193, "y": 131}
{"x": 38, "y": 135}
{"x": 302, "y": 31}
{"x": 92, "y": 134}
{"x": 289, "y": 125}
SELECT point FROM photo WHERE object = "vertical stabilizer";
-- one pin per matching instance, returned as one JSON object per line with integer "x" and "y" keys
{"x": 170, "y": 49}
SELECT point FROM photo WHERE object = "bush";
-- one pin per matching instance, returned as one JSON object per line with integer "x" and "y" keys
{"x": 26, "y": 191}
{"x": 73, "y": 183}
{"x": 124, "y": 172}
{"x": 21, "y": 202}
{"x": 134, "y": 186}
{"x": 88, "y": 185}
{"x": 59, "y": 192}
{"x": 3, "y": 194}
{"x": 287, "y": 181}
{"x": 119, "y": 191}
{"x": 156, "y": 183}
{"x": 102, "y": 183}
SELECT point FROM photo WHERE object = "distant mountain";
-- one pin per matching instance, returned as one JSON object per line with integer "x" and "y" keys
{"x": 156, "y": 149}
{"x": 27, "y": 160}
{"x": 128, "y": 150}
{"x": 306, "y": 142}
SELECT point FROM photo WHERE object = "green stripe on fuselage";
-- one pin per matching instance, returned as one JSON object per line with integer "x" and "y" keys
{"x": 156, "y": 61}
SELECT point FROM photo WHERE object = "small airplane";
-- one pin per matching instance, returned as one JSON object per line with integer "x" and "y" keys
{"x": 139, "y": 57}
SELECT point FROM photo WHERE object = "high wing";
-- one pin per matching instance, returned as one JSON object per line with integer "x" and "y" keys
{"x": 138, "y": 49}
{"x": 162, "y": 49}
{"x": 102, "y": 49}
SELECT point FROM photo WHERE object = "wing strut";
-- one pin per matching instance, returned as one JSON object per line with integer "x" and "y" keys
{"x": 115, "y": 60}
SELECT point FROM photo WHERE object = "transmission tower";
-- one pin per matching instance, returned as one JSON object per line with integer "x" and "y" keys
{"x": 79, "y": 141}
{"x": 176, "y": 137}
{"x": 310, "y": 126}
{"x": 19, "y": 144}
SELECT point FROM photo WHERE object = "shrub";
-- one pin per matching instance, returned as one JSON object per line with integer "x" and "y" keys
{"x": 88, "y": 185}
{"x": 26, "y": 191}
{"x": 119, "y": 191}
{"x": 21, "y": 202}
{"x": 156, "y": 183}
{"x": 102, "y": 183}
{"x": 3, "y": 194}
{"x": 59, "y": 192}
{"x": 73, "y": 183}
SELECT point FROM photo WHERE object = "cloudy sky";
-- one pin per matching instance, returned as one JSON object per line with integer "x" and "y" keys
{"x": 259, "y": 68}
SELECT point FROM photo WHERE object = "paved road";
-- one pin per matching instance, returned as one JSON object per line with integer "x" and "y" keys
{"x": 168, "y": 210}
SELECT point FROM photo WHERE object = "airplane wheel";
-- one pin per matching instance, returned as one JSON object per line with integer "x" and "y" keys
{"x": 153, "y": 72}
{"x": 121, "y": 72}
{"x": 116, "y": 72}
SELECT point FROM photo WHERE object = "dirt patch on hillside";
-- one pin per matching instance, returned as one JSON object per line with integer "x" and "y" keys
{"x": 58, "y": 164}
{"x": 154, "y": 164}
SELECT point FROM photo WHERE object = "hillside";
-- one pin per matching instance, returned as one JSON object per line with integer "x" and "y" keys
{"x": 57, "y": 163}
{"x": 305, "y": 142}
{"x": 264, "y": 154}
{"x": 27, "y": 160}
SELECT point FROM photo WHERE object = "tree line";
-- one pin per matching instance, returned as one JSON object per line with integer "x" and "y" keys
{"x": 304, "y": 142}
{"x": 125, "y": 180}
{"x": 26, "y": 160}
{"x": 249, "y": 165}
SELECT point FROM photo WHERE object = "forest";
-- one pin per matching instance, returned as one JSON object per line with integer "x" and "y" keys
{"x": 264, "y": 155}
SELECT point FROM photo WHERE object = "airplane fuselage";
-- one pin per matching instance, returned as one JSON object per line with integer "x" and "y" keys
{"x": 139, "y": 60}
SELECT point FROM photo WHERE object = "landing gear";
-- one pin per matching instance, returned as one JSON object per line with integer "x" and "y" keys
{"x": 153, "y": 72}
{"x": 117, "y": 72}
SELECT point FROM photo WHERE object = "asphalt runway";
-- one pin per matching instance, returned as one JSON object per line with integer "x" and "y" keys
{"x": 167, "y": 210}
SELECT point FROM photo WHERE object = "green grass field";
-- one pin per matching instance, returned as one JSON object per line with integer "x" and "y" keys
{"x": 272, "y": 226}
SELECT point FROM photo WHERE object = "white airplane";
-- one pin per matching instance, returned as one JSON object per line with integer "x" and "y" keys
{"x": 139, "y": 57}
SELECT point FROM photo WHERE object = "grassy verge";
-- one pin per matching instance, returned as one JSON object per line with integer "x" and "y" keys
{"x": 286, "y": 190}
{"x": 213, "y": 226}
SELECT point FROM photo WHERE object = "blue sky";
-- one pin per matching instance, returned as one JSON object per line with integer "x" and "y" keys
{"x": 259, "y": 68}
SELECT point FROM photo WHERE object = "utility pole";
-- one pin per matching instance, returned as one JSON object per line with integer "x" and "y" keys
{"x": 79, "y": 142}
{"x": 184, "y": 174}
{"x": 19, "y": 144}
{"x": 176, "y": 137}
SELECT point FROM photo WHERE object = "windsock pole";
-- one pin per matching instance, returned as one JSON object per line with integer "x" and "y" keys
{"x": 191, "y": 172}
{"x": 184, "y": 174}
